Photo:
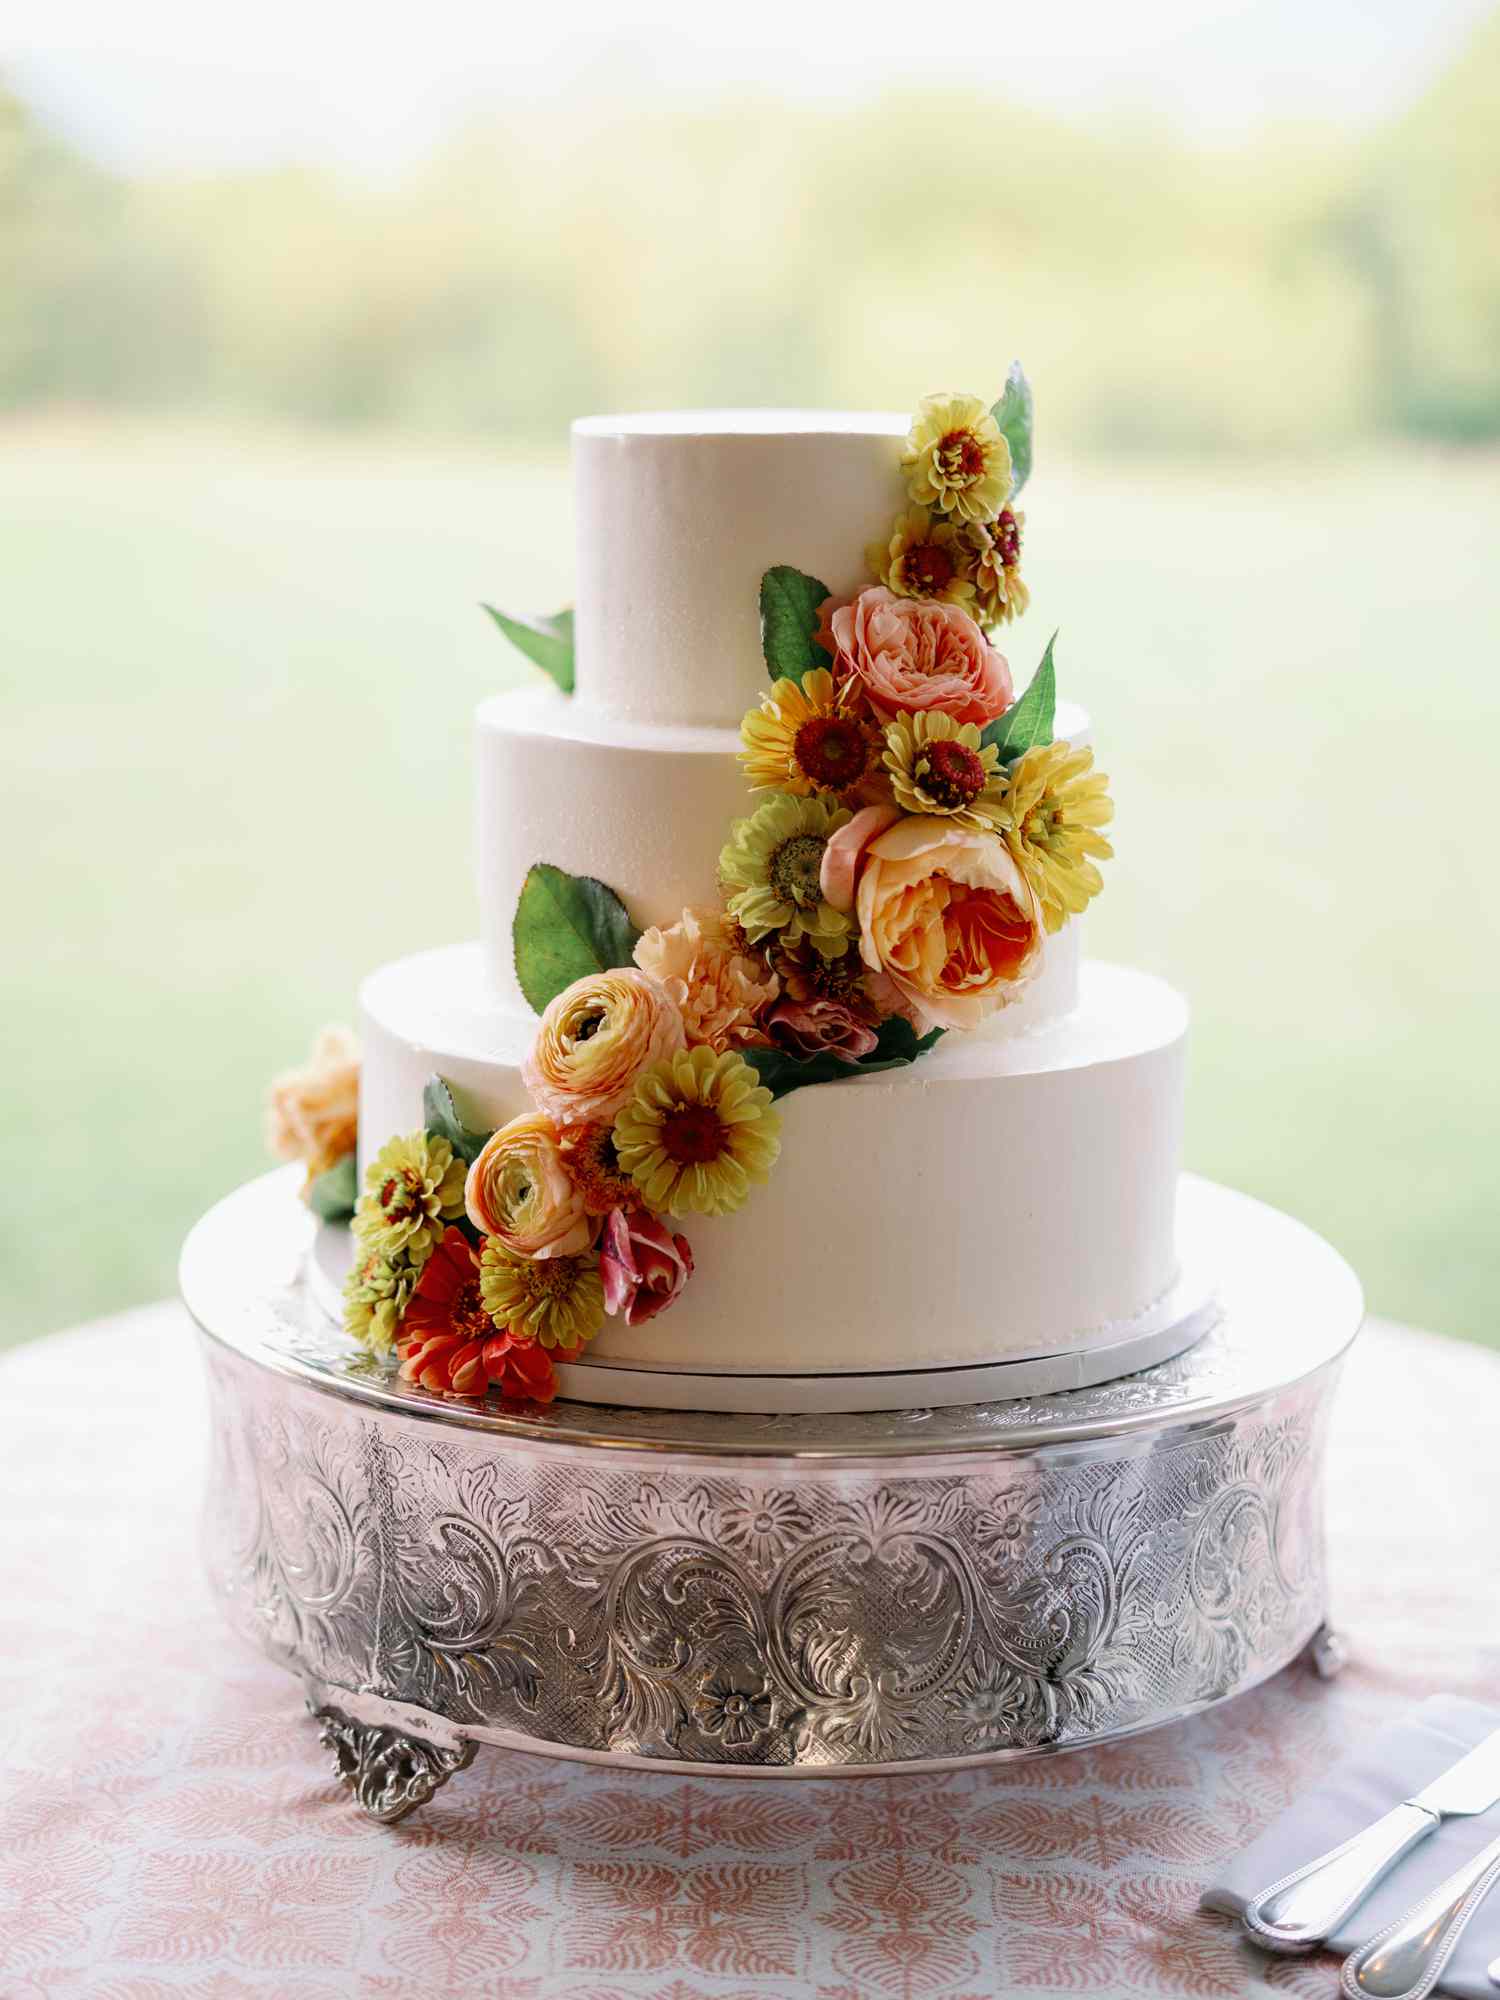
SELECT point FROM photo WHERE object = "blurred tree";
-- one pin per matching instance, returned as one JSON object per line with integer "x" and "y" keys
{"x": 1299, "y": 288}
{"x": 1427, "y": 231}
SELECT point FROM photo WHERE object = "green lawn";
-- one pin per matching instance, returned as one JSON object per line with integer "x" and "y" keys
{"x": 238, "y": 673}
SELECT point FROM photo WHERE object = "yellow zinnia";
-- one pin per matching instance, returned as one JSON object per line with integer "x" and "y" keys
{"x": 698, "y": 1133}
{"x": 941, "y": 766}
{"x": 926, "y": 557}
{"x": 556, "y": 1300}
{"x": 957, "y": 459}
{"x": 773, "y": 863}
{"x": 414, "y": 1187}
{"x": 375, "y": 1296}
{"x": 804, "y": 739}
{"x": 1057, "y": 802}
{"x": 996, "y": 544}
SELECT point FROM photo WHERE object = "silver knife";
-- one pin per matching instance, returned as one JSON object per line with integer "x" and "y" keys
{"x": 1298, "y": 1912}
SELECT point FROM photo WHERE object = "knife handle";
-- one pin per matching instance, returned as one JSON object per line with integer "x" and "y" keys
{"x": 1298, "y": 1912}
{"x": 1411, "y": 1955}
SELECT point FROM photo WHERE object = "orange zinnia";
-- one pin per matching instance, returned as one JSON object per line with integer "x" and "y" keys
{"x": 449, "y": 1342}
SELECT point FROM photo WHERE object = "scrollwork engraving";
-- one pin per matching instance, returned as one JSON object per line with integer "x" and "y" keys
{"x": 775, "y": 1614}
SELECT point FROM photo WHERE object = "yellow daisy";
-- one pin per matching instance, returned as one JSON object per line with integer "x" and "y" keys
{"x": 941, "y": 766}
{"x": 699, "y": 1132}
{"x": 805, "y": 739}
{"x": 1056, "y": 804}
{"x": 772, "y": 863}
{"x": 926, "y": 557}
{"x": 957, "y": 459}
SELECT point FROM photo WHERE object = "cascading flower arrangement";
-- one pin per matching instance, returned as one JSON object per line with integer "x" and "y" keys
{"x": 916, "y": 833}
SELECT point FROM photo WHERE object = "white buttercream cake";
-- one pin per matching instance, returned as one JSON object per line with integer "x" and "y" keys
{"x": 1009, "y": 1193}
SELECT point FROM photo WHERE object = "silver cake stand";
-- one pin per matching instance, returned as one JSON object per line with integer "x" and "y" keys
{"x": 777, "y": 1595}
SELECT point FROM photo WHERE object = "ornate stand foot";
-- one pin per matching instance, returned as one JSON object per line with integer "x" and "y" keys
{"x": 389, "y": 1773}
{"x": 1326, "y": 1653}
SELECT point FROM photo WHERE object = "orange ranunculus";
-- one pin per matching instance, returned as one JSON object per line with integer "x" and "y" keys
{"x": 519, "y": 1191}
{"x": 595, "y": 1039}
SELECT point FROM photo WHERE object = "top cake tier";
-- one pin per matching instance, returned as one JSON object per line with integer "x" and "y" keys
{"x": 680, "y": 515}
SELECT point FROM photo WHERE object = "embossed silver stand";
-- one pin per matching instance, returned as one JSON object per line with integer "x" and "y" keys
{"x": 774, "y": 1596}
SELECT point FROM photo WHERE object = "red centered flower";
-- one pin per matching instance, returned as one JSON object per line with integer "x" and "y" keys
{"x": 1006, "y": 535}
{"x": 951, "y": 773}
{"x": 961, "y": 454}
{"x": 693, "y": 1135}
{"x": 833, "y": 751}
{"x": 929, "y": 569}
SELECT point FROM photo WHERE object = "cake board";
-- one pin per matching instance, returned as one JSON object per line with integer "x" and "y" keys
{"x": 789, "y": 1593}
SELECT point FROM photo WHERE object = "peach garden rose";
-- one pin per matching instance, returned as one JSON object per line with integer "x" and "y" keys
{"x": 595, "y": 1039}
{"x": 519, "y": 1192}
{"x": 910, "y": 655}
{"x": 312, "y": 1113}
{"x": 717, "y": 989}
{"x": 944, "y": 914}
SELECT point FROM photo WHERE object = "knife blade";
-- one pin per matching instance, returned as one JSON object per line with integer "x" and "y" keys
{"x": 1298, "y": 1912}
{"x": 1470, "y": 1786}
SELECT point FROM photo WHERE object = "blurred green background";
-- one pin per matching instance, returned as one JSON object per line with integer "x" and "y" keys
{"x": 271, "y": 426}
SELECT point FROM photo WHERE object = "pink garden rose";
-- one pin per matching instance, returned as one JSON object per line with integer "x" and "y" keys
{"x": 912, "y": 655}
{"x": 642, "y": 1264}
{"x": 948, "y": 918}
{"x": 819, "y": 1027}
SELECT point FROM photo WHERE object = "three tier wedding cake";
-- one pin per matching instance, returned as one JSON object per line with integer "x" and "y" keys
{"x": 777, "y": 1054}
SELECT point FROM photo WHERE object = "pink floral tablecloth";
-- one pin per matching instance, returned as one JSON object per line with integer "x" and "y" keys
{"x": 169, "y": 1826}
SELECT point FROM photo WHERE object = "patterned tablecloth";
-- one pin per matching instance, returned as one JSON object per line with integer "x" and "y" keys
{"x": 169, "y": 1827}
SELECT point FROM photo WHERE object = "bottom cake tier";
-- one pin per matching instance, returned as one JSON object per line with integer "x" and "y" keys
{"x": 997, "y": 1200}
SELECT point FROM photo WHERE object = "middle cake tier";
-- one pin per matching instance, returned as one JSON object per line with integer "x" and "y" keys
{"x": 997, "y": 1199}
{"x": 646, "y": 809}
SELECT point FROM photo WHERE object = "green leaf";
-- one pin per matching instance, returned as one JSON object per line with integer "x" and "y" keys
{"x": 897, "y": 1045}
{"x": 332, "y": 1195}
{"x": 440, "y": 1117}
{"x": 788, "y": 619}
{"x": 567, "y": 926}
{"x": 1027, "y": 722}
{"x": 546, "y": 642}
{"x": 1013, "y": 413}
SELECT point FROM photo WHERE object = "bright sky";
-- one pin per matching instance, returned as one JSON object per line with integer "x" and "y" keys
{"x": 175, "y": 83}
